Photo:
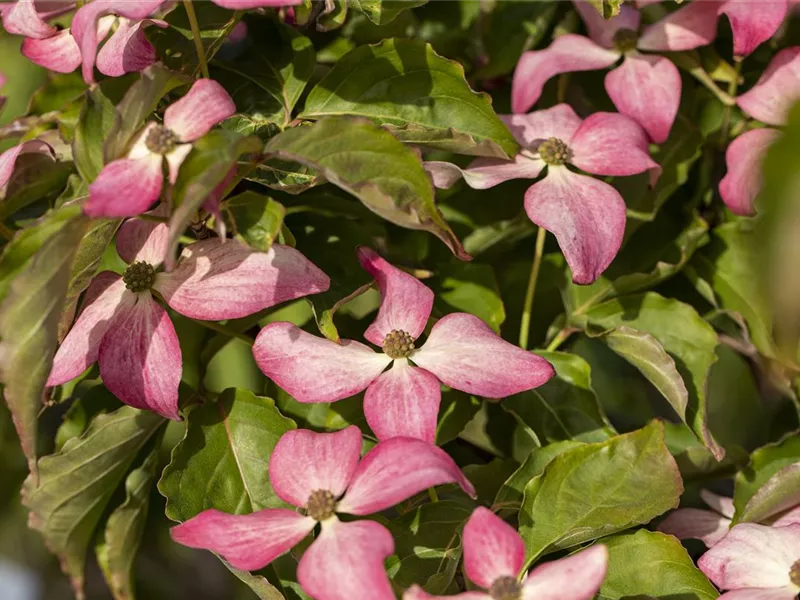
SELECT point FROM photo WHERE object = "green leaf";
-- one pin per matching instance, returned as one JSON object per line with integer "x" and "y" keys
{"x": 76, "y": 484}
{"x": 29, "y": 324}
{"x": 371, "y": 164}
{"x": 36, "y": 177}
{"x": 472, "y": 288}
{"x": 333, "y": 16}
{"x": 84, "y": 267}
{"x": 599, "y": 489}
{"x": 649, "y": 564}
{"x": 607, "y": 8}
{"x": 564, "y": 408}
{"x": 266, "y": 81}
{"x": 427, "y": 542}
{"x": 223, "y": 461}
{"x": 262, "y": 588}
{"x": 766, "y": 463}
{"x": 255, "y": 218}
{"x": 421, "y": 97}
{"x": 116, "y": 549}
{"x": 652, "y": 326}
{"x": 729, "y": 263}
{"x": 285, "y": 176}
{"x": 781, "y": 492}
{"x": 94, "y": 124}
{"x": 139, "y": 102}
{"x": 382, "y": 12}
{"x": 457, "y": 409}
{"x": 207, "y": 165}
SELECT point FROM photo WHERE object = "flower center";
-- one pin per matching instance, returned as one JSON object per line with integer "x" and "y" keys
{"x": 625, "y": 40}
{"x": 553, "y": 151}
{"x": 794, "y": 573}
{"x": 321, "y": 505}
{"x": 139, "y": 276}
{"x": 161, "y": 140}
{"x": 505, "y": 588}
{"x": 398, "y": 344}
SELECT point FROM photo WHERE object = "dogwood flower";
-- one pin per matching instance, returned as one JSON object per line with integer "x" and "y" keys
{"x": 755, "y": 562}
{"x": 493, "y": 558}
{"x": 710, "y": 526}
{"x": 695, "y": 24}
{"x": 403, "y": 401}
{"x": 645, "y": 87}
{"x": 586, "y": 215}
{"x": 128, "y": 186}
{"x": 322, "y": 473}
{"x": 63, "y": 51}
{"x": 769, "y": 101}
{"x": 130, "y": 335}
{"x": 8, "y": 159}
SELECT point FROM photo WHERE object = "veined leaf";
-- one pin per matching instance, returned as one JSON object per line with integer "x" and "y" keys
{"x": 767, "y": 464}
{"x": 94, "y": 124}
{"x": 257, "y": 219}
{"x": 382, "y": 12}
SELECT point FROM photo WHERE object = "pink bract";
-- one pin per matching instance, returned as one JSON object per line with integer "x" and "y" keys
{"x": 324, "y": 474}
{"x": 709, "y": 526}
{"x": 646, "y": 88}
{"x": 403, "y": 401}
{"x": 130, "y": 335}
{"x": 769, "y": 101}
{"x": 586, "y": 215}
{"x": 8, "y": 159}
{"x": 493, "y": 558}
{"x": 755, "y": 561}
{"x": 129, "y": 186}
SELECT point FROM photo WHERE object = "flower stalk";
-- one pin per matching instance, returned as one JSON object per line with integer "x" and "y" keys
{"x": 525, "y": 323}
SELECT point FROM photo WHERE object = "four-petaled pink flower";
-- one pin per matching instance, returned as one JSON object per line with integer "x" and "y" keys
{"x": 694, "y": 25}
{"x": 131, "y": 336}
{"x": 769, "y": 101}
{"x": 8, "y": 159}
{"x": 755, "y": 562}
{"x": 461, "y": 351}
{"x": 493, "y": 558}
{"x": 128, "y": 186}
{"x": 322, "y": 473}
{"x": 647, "y": 88}
{"x": 710, "y": 526}
{"x": 586, "y": 215}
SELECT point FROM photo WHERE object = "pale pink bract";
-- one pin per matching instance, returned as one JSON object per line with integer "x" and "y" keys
{"x": 494, "y": 555}
{"x": 404, "y": 400}
{"x": 324, "y": 474}
{"x": 586, "y": 215}
{"x": 8, "y": 159}
{"x": 131, "y": 336}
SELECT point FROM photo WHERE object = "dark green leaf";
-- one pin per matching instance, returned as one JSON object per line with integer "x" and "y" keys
{"x": 76, "y": 484}
{"x": 94, "y": 124}
{"x": 472, "y": 288}
{"x": 257, "y": 219}
{"x": 36, "y": 177}
{"x": 286, "y": 176}
{"x": 371, "y": 164}
{"x": 457, "y": 409}
{"x": 116, "y": 548}
{"x": 648, "y": 564}
{"x": 382, "y": 12}
{"x": 599, "y": 489}
{"x": 223, "y": 462}
{"x": 765, "y": 464}
{"x": 29, "y": 324}
{"x": 419, "y": 96}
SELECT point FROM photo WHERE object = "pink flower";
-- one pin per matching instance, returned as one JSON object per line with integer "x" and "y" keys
{"x": 130, "y": 335}
{"x": 322, "y": 473}
{"x": 403, "y": 401}
{"x": 755, "y": 562}
{"x": 8, "y": 159}
{"x": 695, "y": 25}
{"x": 646, "y": 88}
{"x": 128, "y": 186}
{"x": 769, "y": 101}
{"x": 586, "y": 215}
{"x": 710, "y": 526}
{"x": 493, "y": 558}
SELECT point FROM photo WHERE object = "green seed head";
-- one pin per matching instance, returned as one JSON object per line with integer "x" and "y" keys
{"x": 553, "y": 151}
{"x": 321, "y": 505}
{"x": 625, "y": 40}
{"x": 139, "y": 277}
{"x": 505, "y": 588}
{"x": 398, "y": 344}
{"x": 161, "y": 140}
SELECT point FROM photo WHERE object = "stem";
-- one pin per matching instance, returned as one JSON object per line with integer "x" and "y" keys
{"x": 733, "y": 87}
{"x": 432, "y": 493}
{"x": 525, "y": 323}
{"x": 560, "y": 338}
{"x": 222, "y": 329}
{"x": 198, "y": 43}
{"x": 704, "y": 78}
